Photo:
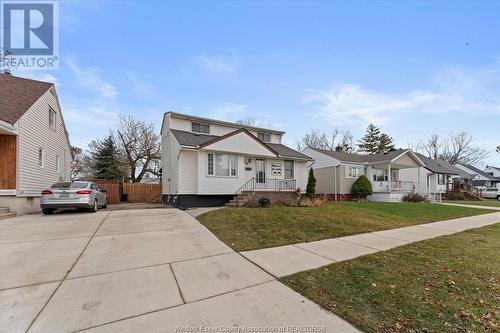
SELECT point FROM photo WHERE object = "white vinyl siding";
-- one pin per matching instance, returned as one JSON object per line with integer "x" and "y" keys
{"x": 188, "y": 172}
{"x": 58, "y": 163}
{"x": 321, "y": 160}
{"x": 35, "y": 133}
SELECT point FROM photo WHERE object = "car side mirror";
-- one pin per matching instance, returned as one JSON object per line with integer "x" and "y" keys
{"x": 104, "y": 191}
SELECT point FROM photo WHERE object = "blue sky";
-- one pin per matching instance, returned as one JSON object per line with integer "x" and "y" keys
{"x": 412, "y": 67}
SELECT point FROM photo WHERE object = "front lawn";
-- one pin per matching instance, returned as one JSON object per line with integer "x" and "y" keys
{"x": 484, "y": 202}
{"x": 255, "y": 228}
{"x": 447, "y": 284}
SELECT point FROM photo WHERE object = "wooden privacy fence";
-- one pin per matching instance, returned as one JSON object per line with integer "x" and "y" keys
{"x": 112, "y": 187}
{"x": 137, "y": 192}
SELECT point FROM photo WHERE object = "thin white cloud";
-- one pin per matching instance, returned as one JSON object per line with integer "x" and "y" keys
{"x": 217, "y": 64}
{"x": 454, "y": 91}
{"x": 90, "y": 78}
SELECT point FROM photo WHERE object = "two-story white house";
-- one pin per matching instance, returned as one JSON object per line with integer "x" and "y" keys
{"x": 34, "y": 147}
{"x": 207, "y": 162}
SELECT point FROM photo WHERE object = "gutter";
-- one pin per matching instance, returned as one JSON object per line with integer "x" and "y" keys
{"x": 8, "y": 127}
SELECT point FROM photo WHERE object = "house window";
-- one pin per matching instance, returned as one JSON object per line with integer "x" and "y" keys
{"x": 200, "y": 128}
{"x": 58, "y": 163}
{"x": 40, "y": 157}
{"x": 379, "y": 175}
{"x": 353, "y": 172}
{"x": 222, "y": 165}
{"x": 289, "y": 169}
{"x": 210, "y": 164}
{"x": 52, "y": 118}
{"x": 264, "y": 137}
{"x": 441, "y": 179}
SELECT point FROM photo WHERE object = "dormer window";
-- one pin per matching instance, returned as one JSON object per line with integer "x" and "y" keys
{"x": 264, "y": 137}
{"x": 200, "y": 128}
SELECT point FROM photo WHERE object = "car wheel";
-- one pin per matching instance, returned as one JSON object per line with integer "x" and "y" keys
{"x": 105, "y": 204}
{"x": 95, "y": 207}
{"x": 498, "y": 198}
{"x": 48, "y": 211}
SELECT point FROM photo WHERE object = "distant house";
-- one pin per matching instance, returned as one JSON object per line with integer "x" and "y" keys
{"x": 336, "y": 171}
{"x": 493, "y": 171}
{"x": 34, "y": 146}
{"x": 208, "y": 162}
{"x": 437, "y": 175}
{"x": 480, "y": 178}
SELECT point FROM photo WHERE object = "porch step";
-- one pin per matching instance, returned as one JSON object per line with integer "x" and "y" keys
{"x": 4, "y": 210}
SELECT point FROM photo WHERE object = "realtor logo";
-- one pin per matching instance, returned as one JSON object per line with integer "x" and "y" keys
{"x": 29, "y": 36}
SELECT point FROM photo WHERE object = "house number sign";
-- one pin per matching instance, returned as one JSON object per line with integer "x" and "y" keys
{"x": 276, "y": 169}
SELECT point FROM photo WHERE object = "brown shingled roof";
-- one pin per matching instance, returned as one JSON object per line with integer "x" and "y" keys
{"x": 17, "y": 95}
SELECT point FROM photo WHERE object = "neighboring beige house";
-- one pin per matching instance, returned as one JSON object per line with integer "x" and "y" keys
{"x": 34, "y": 146}
{"x": 208, "y": 162}
{"x": 437, "y": 175}
{"x": 336, "y": 171}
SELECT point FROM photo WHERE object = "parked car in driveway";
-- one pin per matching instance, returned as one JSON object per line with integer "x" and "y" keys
{"x": 73, "y": 195}
{"x": 491, "y": 193}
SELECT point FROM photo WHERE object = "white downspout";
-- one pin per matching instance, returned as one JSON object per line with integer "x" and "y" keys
{"x": 335, "y": 182}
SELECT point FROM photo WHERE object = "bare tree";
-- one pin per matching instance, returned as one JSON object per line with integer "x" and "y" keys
{"x": 334, "y": 140}
{"x": 498, "y": 149}
{"x": 253, "y": 122}
{"x": 314, "y": 138}
{"x": 140, "y": 146}
{"x": 432, "y": 146}
{"x": 460, "y": 149}
{"x": 81, "y": 166}
{"x": 457, "y": 148}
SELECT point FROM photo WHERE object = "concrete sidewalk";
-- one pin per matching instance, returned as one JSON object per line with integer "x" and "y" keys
{"x": 470, "y": 206}
{"x": 285, "y": 260}
{"x": 154, "y": 270}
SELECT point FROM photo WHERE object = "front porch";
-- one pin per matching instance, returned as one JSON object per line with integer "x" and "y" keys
{"x": 386, "y": 180}
{"x": 395, "y": 186}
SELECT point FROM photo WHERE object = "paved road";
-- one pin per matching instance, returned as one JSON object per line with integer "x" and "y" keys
{"x": 154, "y": 270}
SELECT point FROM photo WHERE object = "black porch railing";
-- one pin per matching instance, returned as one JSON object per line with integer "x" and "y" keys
{"x": 268, "y": 184}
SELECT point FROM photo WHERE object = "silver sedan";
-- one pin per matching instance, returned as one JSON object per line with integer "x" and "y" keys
{"x": 77, "y": 194}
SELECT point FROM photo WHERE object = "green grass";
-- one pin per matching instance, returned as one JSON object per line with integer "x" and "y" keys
{"x": 255, "y": 228}
{"x": 484, "y": 202}
{"x": 448, "y": 284}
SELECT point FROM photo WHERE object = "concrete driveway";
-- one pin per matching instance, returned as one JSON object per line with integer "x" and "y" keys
{"x": 155, "y": 270}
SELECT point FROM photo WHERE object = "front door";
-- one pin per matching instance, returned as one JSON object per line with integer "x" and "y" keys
{"x": 260, "y": 170}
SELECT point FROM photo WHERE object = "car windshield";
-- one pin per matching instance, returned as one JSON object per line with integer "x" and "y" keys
{"x": 70, "y": 185}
